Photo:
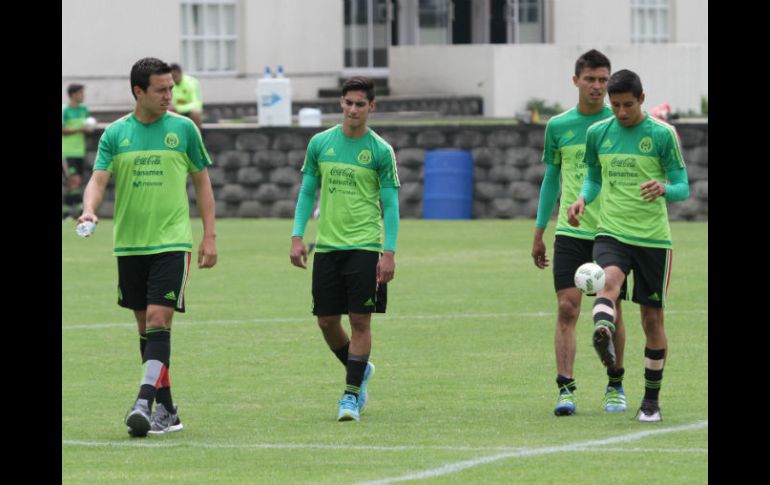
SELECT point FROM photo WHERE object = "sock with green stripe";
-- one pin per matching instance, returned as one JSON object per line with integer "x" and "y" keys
{"x": 604, "y": 313}
{"x": 615, "y": 375}
{"x": 356, "y": 368}
{"x": 654, "y": 360}
{"x": 567, "y": 383}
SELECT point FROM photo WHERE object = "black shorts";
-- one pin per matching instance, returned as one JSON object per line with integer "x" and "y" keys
{"x": 346, "y": 281}
{"x": 75, "y": 166}
{"x": 568, "y": 254}
{"x": 651, "y": 266}
{"x": 153, "y": 279}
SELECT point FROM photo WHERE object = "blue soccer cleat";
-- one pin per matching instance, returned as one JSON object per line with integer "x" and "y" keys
{"x": 614, "y": 400}
{"x": 565, "y": 406}
{"x": 363, "y": 396}
{"x": 348, "y": 410}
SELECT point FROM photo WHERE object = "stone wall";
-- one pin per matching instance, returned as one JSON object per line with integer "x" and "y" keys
{"x": 256, "y": 170}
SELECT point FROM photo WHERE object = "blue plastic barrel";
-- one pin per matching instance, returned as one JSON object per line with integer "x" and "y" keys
{"x": 448, "y": 185}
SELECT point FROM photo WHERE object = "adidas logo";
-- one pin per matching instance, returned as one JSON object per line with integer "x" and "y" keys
{"x": 607, "y": 144}
{"x": 330, "y": 153}
{"x": 125, "y": 142}
{"x": 569, "y": 134}
{"x": 654, "y": 297}
{"x": 369, "y": 302}
{"x": 170, "y": 296}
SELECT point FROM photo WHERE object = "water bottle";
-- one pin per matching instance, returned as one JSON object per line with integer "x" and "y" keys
{"x": 267, "y": 72}
{"x": 85, "y": 229}
{"x": 279, "y": 71}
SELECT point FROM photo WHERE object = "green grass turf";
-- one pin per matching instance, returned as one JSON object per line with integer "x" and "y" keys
{"x": 465, "y": 369}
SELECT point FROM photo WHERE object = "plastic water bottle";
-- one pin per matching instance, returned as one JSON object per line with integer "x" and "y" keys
{"x": 279, "y": 71}
{"x": 267, "y": 72}
{"x": 85, "y": 229}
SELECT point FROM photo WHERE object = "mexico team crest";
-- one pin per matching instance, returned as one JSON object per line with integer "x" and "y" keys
{"x": 171, "y": 140}
{"x": 364, "y": 157}
{"x": 645, "y": 146}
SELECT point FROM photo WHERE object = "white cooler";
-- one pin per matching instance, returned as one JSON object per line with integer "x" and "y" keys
{"x": 274, "y": 101}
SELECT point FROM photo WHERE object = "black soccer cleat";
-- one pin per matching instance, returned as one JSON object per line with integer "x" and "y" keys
{"x": 603, "y": 344}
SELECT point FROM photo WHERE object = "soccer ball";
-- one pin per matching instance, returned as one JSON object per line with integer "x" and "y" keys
{"x": 90, "y": 123}
{"x": 589, "y": 278}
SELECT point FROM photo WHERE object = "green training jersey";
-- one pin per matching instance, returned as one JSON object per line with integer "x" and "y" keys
{"x": 352, "y": 171}
{"x": 629, "y": 157}
{"x": 150, "y": 164}
{"x": 565, "y": 143}
{"x": 73, "y": 145}
{"x": 186, "y": 96}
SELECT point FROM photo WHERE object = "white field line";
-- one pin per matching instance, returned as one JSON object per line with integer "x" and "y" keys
{"x": 527, "y": 452}
{"x": 310, "y": 318}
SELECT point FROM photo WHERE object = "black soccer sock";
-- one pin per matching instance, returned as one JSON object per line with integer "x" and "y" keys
{"x": 342, "y": 353}
{"x": 615, "y": 375}
{"x": 356, "y": 368}
{"x": 163, "y": 396}
{"x": 566, "y": 383}
{"x": 156, "y": 356}
{"x": 142, "y": 345}
{"x": 604, "y": 312}
{"x": 653, "y": 372}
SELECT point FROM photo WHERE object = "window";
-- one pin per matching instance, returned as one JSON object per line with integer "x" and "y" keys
{"x": 650, "y": 21}
{"x": 209, "y": 38}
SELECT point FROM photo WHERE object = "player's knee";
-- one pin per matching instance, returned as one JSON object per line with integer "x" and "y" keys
{"x": 569, "y": 311}
{"x": 327, "y": 323}
{"x": 360, "y": 323}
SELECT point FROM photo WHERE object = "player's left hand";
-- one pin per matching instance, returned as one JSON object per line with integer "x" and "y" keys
{"x": 652, "y": 189}
{"x": 207, "y": 253}
{"x": 386, "y": 267}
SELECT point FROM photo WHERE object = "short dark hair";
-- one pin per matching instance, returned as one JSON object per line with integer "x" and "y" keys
{"x": 359, "y": 83}
{"x": 143, "y": 69}
{"x": 176, "y": 67}
{"x": 74, "y": 88}
{"x": 625, "y": 81}
{"x": 592, "y": 59}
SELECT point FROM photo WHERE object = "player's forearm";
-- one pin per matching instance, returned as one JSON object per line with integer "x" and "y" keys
{"x": 390, "y": 216}
{"x": 678, "y": 188}
{"x": 204, "y": 196}
{"x": 304, "y": 207}
{"x": 549, "y": 191}
{"x": 94, "y": 192}
{"x": 592, "y": 184}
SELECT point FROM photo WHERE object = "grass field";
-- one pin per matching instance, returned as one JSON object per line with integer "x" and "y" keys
{"x": 464, "y": 389}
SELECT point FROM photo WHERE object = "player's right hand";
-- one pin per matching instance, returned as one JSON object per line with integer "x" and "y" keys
{"x": 575, "y": 212}
{"x": 538, "y": 254}
{"x": 88, "y": 216}
{"x": 298, "y": 253}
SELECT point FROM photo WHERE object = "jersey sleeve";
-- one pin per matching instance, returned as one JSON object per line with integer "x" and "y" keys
{"x": 196, "y": 150}
{"x": 310, "y": 167}
{"x": 551, "y": 153}
{"x": 386, "y": 167}
{"x": 671, "y": 152}
{"x": 105, "y": 152}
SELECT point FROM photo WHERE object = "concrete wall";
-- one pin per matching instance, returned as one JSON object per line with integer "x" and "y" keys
{"x": 256, "y": 170}
{"x": 507, "y": 76}
{"x": 591, "y": 22}
{"x": 101, "y": 40}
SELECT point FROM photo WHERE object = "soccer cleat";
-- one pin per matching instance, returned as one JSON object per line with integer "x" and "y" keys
{"x": 603, "y": 344}
{"x": 363, "y": 396}
{"x": 348, "y": 408}
{"x": 565, "y": 405}
{"x": 614, "y": 400}
{"x": 649, "y": 411}
{"x": 138, "y": 419}
{"x": 163, "y": 421}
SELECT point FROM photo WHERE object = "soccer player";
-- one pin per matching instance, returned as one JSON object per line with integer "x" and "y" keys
{"x": 73, "y": 146}
{"x": 187, "y": 99}
{"x": 151, "y": 152}
{"x": 356, "y": 169}
{"x": 563, "y": 155}
{"x": 635, "y": 161}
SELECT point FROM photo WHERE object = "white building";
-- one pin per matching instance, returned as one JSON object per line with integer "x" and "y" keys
{"x": 507, "y": 51}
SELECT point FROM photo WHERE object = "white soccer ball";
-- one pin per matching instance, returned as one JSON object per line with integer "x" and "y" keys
{"x": 589, "y": 278}
{"x": 90, "y": 123}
